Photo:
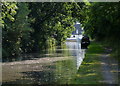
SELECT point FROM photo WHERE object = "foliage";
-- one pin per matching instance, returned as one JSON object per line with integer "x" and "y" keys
{"x": 8, "y": 11}
{"x": 30, "y": 27}
{"x": 101, "y": 22}
{"x": 51, "y": 20}
{"x": 16, "y": 28}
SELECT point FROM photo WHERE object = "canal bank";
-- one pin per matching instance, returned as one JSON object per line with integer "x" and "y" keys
{"x": 97, "y": 67}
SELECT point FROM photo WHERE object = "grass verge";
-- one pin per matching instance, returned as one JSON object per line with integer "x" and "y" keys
{"x": 89, "y": 71}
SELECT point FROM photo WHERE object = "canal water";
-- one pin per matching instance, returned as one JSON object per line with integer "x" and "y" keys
{"x": 54, "y": 66}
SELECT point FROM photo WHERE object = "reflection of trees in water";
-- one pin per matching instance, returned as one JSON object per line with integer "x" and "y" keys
{"x": 65, "y": 71}
{"x": 59, "y": 72}
{"x": 76, "y": 51}
{"x": 41, "y": 77}
{"x": 38, "y": 76}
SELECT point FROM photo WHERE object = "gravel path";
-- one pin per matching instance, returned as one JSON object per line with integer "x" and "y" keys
{"x": 109, "y": 67}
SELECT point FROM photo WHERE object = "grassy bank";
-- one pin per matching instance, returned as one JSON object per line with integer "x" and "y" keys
{"x": 89, "y": 71}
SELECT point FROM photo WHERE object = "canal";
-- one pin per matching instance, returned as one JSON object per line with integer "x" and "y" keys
{"x": 54, "y": 66}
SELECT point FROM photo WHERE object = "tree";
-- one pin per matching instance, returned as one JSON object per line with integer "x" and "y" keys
{"x": 51, "y": 20}
{"x": 16, "y": 30}
{"x": 101, "y": 22}
{"x": 7, "y": 17}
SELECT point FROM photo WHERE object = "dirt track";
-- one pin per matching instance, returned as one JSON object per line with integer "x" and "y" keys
{"x": 109, "y": 68}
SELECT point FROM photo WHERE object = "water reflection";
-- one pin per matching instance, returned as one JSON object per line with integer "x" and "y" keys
{"x": 76, "y": 51}
{"x": 57, "y": 65}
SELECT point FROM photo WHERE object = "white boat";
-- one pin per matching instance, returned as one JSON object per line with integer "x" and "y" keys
{"x": 77, "y": 34}
{"x": 74, "y": 38}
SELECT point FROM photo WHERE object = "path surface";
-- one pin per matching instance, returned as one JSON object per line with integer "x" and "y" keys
{"x": 109, "y": 67}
